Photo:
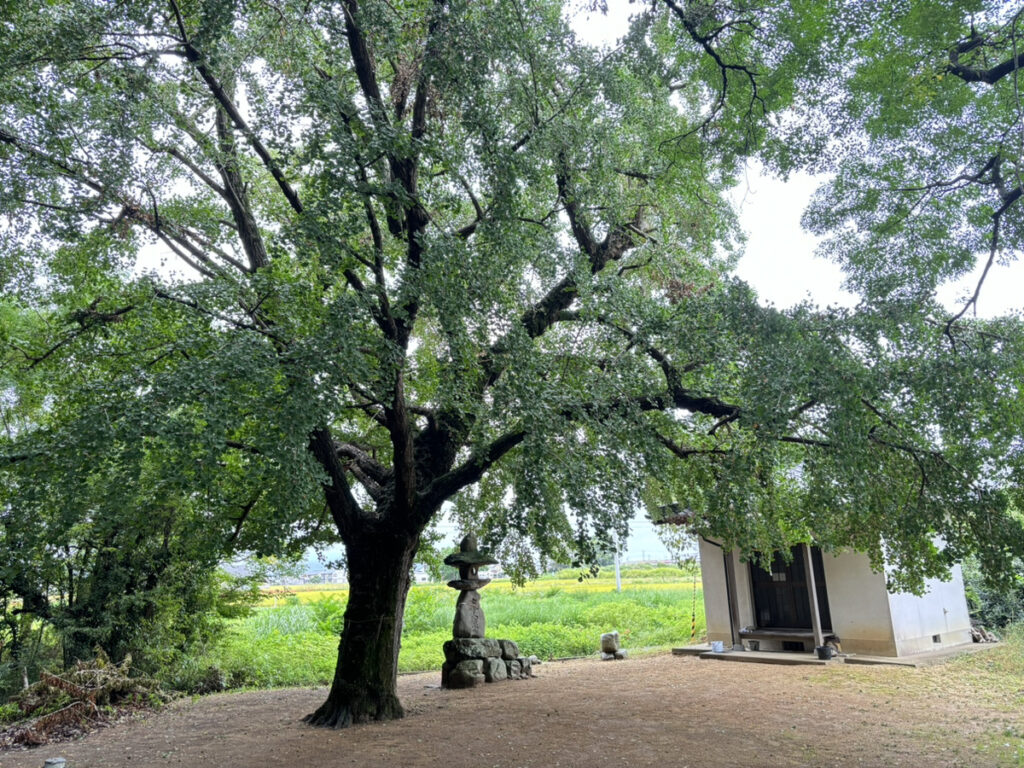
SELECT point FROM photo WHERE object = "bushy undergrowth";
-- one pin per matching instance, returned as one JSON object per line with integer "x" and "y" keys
{"x": 295, "y": 643}
{"x": 266, "y": 661}
{"x": 992, "y": 607}
{"x": 172, "y": 624}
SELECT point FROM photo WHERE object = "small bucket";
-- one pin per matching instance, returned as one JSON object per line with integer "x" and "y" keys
{"x": 825, "y": 652}
{"x": 718, "y": 646}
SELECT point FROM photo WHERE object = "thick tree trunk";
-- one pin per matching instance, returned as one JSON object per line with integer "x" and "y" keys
{"x": 365, "y": 679}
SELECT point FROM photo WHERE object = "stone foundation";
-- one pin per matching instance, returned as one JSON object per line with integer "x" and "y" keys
{"x": 469, "y": 661}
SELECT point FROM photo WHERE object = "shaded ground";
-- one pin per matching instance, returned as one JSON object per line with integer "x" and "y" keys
{"x": 655, "y": 711}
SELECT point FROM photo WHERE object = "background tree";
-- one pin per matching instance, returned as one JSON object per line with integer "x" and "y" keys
{"x": 994, "y": 608}
{"x": 97, "y": 551}
{"x": 435, "y": 251}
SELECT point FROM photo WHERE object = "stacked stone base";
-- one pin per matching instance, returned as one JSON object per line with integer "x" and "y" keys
{"x": 469, "y": 661}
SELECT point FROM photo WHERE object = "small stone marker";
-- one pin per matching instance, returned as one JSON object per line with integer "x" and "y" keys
{"x": 610, "y": 647}
{"x": 609, "y": 642}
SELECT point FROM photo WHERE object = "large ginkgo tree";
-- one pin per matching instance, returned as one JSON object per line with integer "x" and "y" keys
{"x": 306, "y": 270}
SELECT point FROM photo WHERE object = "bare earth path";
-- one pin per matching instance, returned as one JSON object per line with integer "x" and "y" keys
{"x": 660, "y": 710}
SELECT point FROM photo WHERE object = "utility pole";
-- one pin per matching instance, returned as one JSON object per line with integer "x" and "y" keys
{"x": 618, "y": 572}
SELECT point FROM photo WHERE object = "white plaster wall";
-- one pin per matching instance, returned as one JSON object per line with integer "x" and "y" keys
{"x": 939, "y": 614}
{"x": 744, "y": 592}
{"x": 716, "y": 603}
{"x": 859, "y": 605}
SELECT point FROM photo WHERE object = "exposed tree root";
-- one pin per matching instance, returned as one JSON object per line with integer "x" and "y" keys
{"x": 341, "y": 712}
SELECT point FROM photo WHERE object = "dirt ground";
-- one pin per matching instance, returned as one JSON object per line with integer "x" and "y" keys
{"x": 662, "y": 710}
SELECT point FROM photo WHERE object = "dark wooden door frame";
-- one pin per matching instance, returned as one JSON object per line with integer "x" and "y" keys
{"x": 792, "y": 602}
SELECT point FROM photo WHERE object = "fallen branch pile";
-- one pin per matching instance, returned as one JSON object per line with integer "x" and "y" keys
{"x": 89, "y": 695}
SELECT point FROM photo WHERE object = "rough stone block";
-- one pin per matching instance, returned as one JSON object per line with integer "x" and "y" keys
{"x": 494, "y": 670}
{"x": 469, "y": 617}
{"x": 620, "y": 655}
{"x": 470, "y": 648}
{"x": 514, "y": 669}
{"x": 609, "y": 642}
{"x": 525, "y": 666}
{"x": 509, "y": 649}
{"x": 466, "y": 674}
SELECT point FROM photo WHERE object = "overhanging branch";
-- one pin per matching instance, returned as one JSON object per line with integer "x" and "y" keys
{"x": 345, "y": 510}
{"x": 471, "y": 470}
{"x": 218, "y": 92}
{"x": 992, "y": 75}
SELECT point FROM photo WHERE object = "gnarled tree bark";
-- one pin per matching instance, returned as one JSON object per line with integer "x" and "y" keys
{"x": 365, "y": 678}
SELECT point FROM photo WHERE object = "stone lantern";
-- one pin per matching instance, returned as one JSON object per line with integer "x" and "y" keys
{"x": 470, "y": 657}
{"x": 469, "y": 616}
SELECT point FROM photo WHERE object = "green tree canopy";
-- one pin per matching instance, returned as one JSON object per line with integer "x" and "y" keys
{"x": 919, "y": 123}
{"x": 433, "y": 251}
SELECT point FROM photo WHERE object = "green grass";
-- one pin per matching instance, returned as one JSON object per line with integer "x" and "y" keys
{"x": 665, "y": 573}
{"x": 990, "y": 681}
{"x": 296, "y": 641}
{"x": 992, "y": 677}
{"x": 246, "y": 658}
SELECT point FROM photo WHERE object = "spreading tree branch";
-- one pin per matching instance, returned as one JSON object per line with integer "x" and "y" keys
{"x": 348, "y": 516}
{"x": 992, "y": 75}
{"x": 471, "y": 470}
{"x": 217, "y": 90}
